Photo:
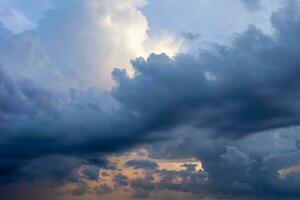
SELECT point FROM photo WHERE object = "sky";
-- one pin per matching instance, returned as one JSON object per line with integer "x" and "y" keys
{"x": 149, "y": 99}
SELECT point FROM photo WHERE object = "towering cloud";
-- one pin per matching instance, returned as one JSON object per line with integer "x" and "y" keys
{"x": 225, "y": 105}
{"x": 234, "y": 91}
{"x": 86, "y": 39}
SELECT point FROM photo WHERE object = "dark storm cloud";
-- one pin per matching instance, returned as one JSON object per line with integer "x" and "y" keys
{"x": 58, "y": 169}
{"x": 61, "y": 169}
{"x": 185, "y": 180}
{"x": 121, "y": 180}
{"x": 23, "y": 97}
{"x": 233, "y": 91}
{"x": 189, "y": 167}
{"x": 91, "y": 172}
{"x": 251, "y": 86}
{"x": 249, "y": 167}
{"x": 37, "y": 121}
{"x": 139, "y": 164}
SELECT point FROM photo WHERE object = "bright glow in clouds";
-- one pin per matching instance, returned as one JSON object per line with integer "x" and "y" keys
{"x": 233, "y": 108}
{"x": 85, "y": 40}
{"x": 136, "y": 170}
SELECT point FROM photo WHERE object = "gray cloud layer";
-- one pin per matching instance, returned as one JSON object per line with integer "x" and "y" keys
{"x": 237, "y": 90}
{"x": 252, "y": 4}
{"x": 228, "y": 91}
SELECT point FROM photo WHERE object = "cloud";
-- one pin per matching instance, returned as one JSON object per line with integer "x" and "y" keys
{"x": 32, "y": 116}
{"x": 226, "y": 95}
{"x": 81, "y": 190}
{"x": 252, "y": 4}
{"x": 91, "y": 172}
{"x": 18, "y": 16}
{"x": 190, "y": 167}
{"x": 139, "y": 164}
{"x": 252, "y": 167}
{"x": 231, "y": 91}
{"x": 92, "y": 37}
{"x": 38, "y": 108}
{"x": 121, "y": 180}
{"x": 103, "y": 189}
{"x": 286, "y": 172}
{"x": 191, "y": 36}
{"x": 23, "y": 57}
{"x": 55, "y": 169}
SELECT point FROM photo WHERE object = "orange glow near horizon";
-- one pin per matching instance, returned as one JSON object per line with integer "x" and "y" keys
{"x": 107, "y": 176}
